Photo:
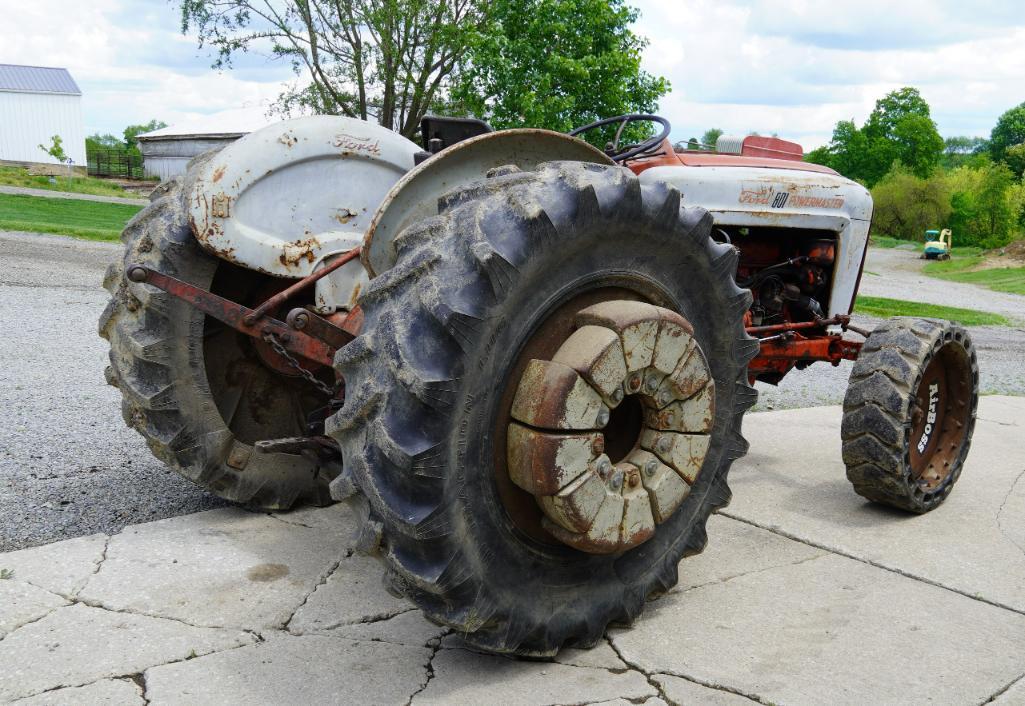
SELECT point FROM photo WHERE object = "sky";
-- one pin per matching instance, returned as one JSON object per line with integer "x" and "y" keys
{"x": 792, "y": 67}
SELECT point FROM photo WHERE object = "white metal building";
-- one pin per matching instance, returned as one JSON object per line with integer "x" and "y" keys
{"x": 167, "y": 151}
{"x": 36, "y": 103}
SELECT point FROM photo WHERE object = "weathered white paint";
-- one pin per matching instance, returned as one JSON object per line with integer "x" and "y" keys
{"x": 747, "y": 196}
{"x": 28, "y": 120}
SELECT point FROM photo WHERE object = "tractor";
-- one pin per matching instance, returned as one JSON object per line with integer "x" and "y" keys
{"x": 522, "y": 359}
{"x": 937, "y": 245}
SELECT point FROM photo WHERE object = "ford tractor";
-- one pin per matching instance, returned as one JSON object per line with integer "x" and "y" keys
{"x": 524, "y": 360}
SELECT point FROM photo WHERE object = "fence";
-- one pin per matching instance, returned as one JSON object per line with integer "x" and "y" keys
{"x": 115, "y": 163}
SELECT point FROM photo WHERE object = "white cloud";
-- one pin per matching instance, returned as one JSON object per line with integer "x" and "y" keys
{"x": 131, "y": 61}
{"x": 798, "y": 67}
{"x": 794, "y": 67}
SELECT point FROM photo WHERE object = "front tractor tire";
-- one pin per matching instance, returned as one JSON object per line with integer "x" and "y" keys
{"x": 909, "y": 412}
{"x": 198, "y": 392}
{"x": 485, "y": 356}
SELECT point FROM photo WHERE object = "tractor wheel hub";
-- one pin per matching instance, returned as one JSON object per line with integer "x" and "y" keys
{"x": 572, "y": 412}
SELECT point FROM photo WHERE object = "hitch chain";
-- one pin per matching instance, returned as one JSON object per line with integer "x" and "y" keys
{"x": 274, "y": 343}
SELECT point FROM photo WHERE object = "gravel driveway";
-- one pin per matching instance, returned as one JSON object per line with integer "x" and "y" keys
{"x": 69, "y": 466}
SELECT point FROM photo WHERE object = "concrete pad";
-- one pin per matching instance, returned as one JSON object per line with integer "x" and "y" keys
{"x": 78, "y": 645}
{"x": 108, "y": 692}
{"x": 794, "y": 480}
{"x": 653, "y": 701}
{"x": 61, "y": 568}
{"x": 682, "y": 691}
{"x": 830, "y": 630}
{"x": 464, "y": 677}
{"x": 736, "y": 548}
{"x": 409, "y": 628}
{"x": 21, "y": 603}
{"x": 220, "y": 568}
{"x": 354, "y": 593}
{"x": 601, "y": 656}
{"x": 1014, "y": 695}
{"x": 308, "y": 669}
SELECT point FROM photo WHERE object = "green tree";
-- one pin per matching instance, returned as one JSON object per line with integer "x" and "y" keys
{"x": 1014, "y": 157}
{"x": 986, "y": 204}
{"x": 960, "y": 150}
{"x": 899, "y": 129}
{"x": 907, "y": 205}
{"x": 56, "y": 149}
{"x": 711, "y": 136}
{"x": 133, "y": 131}
{"x": 387, "y": 60}
{"x": 1008, "y": 132}
{"x": 557, "y": 64}
{"x": 995, "y": 207}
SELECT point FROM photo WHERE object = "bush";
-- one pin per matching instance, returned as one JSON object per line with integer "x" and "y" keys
{"x": 906, "y": 205}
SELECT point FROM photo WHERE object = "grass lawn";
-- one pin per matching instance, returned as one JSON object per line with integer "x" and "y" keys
{"x": 18, "y": 176}
{"x": 883, "y": 308}
{"x": 83, "y": 219}
{"x": 963, "y": 269}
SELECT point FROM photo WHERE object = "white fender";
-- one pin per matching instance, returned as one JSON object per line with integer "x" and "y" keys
{"x": 282, "y": 199}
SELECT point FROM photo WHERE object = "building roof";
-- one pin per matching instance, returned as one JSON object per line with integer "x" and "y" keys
{"x": 226, "y": 123}
{"x": 37, "y": 79}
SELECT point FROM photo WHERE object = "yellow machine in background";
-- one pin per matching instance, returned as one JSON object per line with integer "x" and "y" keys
{"x": 937, "y": 248}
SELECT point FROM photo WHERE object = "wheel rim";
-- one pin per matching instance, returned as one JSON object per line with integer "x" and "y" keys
{"x": 608, "y": 424}
{"x": 940, "y": 415}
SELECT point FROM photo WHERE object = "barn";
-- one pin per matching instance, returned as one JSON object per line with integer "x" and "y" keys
{"x": 166, "y": 151}
{"x": 36, "y": 103}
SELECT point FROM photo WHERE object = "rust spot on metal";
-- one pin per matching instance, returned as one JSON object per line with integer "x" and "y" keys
{"x": 220, "y": 205}
{"x": 292, "y": 254}
{"x": 287, "y": 139}
{"x": 218, "y": 173}
{"x": 344, "y": 215}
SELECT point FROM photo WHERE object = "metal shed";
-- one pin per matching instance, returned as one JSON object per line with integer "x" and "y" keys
{"x": 168, "y": 150}
{"x": 36, "y": 103}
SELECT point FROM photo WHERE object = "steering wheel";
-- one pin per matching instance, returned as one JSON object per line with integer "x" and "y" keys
{"x": 621, "y": 154}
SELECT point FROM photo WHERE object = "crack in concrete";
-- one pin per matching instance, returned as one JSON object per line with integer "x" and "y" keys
{"x": 994, "y": 421}
{"x": 878, "y": 565}
{"x": 288, "y": 522}
{"x": 139, "y": 680}
{"x": 636, "y": 667}
{"x": 1004, "y": 690}
{"x": 143, "y": 614}
{"x": 45, "y": 615}
{"x": 1000, "y": 511}
{"x": 365, "y": 620}
{"x": 428, "y": 668}
{"x": 321, "y": 580}
{"x": 726, "y": 579}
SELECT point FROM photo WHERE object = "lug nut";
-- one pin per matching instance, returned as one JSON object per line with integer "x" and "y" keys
{"x": 651, "y": 384}
{"x": 603, "y": 417}
{"x": 665, "y": 398}
{"x": 604, "y": 467}
{"x": 650, "y": 467}
{"x": 616, "y": 482}
{"x": 663, "y": 444}
{"x": 617, "y": 395}
{"x": 598, "y": 445}
{"x": 635, "y": 479}
{"x": 136, "y": 274}
{"x": 634, "y": 382}
{"x": 668, "y": 419}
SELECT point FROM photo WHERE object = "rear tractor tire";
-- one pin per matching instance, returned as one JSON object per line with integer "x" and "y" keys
{"x": 197, "y": 391}
{"x": 909, "y": 412}
{"x": 544, "y": 403}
